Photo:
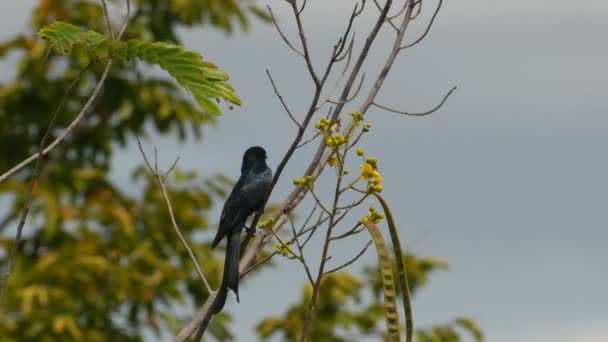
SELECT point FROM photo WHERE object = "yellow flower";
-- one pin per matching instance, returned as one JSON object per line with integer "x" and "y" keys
{"x": 357, "y": 117}
{"x": 269, "y": 223}
{"x": 360, "y": 152}
{"x": 367, "y": 171}
{"x": 377, "y": 177}
{"x": 284, "y": 250}
{"x": 373, "y": 216}
{"x": 333, "y": 161}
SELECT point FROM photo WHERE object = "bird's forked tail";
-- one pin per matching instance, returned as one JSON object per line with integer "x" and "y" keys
{"x": 230, "y": 279}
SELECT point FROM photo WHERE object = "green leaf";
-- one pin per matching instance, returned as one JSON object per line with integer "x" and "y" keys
{"x": 388, "y": 283}
{"x": 470, "y": 326}
{"x": 64, "y": 37}
{"x": 203, "y": 80}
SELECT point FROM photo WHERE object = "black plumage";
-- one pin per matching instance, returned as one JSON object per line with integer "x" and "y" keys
{"x": 247, "y": 196}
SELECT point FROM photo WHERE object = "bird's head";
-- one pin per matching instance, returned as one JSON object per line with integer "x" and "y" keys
{"x": 255, "y": 155}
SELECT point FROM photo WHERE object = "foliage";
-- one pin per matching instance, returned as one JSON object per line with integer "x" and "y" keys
{"x": 202, "y": 79}
{"x": 342, "y": 316}
{"x": 100, "y": 261}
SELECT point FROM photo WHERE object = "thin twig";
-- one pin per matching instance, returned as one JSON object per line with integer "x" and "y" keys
{"x": 309, "y": 140}
{"x": 276, "y": 25}
{"x": 345, "y": 101}
{"x": 351, "y": 261}
{"x": 352, "y": 231}
{"x": 124, "y": 25}
{"x": 428, "y": 28}
{"x": 34, "y": 177}
{"x": 257, "y": 264}
{"x": 341, "y": 77}
{"x": 301, "y": 250}
{"x": 107, "y": 17}
{"x": 388, "y": 19}
{"x": 155, "y": 172}
{"x": 313, "y": 229}
{"x": 307, "y": 57}
{"x": 276, "y": 91}
{"x": 434, "y": 109}
{"x": 418, "y": 9}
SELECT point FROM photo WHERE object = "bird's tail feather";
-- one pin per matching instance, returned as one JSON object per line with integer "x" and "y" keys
{"x": 230, "y": 279}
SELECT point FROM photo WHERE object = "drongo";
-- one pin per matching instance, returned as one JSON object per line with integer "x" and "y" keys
{"x": 247, "y": 196}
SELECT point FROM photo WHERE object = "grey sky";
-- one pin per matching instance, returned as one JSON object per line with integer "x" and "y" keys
{"x": 507, "y": 182}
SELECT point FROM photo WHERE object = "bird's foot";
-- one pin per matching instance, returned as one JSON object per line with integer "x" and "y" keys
{"x": 250, "y": 231}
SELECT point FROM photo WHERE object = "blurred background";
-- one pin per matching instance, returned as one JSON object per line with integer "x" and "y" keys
{"x": 506, "y": 183}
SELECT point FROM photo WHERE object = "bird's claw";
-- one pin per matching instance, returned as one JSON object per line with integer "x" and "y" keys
{"x": 249, "y": 230}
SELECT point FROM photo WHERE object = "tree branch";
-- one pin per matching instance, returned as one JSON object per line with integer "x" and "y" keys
{"x": 351, "y": 261}
{"x": 276, "y": 25}
{"x": 431, "y": 111}
{"x": 428, "y": 28}
{"x": 276, "y": 91}
{"x": 80, "y": 115}
{"x": 155, "y": 172}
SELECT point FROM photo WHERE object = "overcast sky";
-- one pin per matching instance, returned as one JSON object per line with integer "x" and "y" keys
{"x": 507, "y": 182}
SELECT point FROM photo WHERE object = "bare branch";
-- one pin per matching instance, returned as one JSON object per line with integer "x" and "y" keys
{"x": 124, "y": 25}
{"x": 428, "y": 28}
{"x": 434, "y": 109}
{"x": 276, "y": 25}
{"x": 172, "y": 167}
{"x": 350, "y": 232}
{"x": 388, "y": 19}
{"x": 305, "y": 44}
{"x": 342, "y": 75}
{"x": 342, "y": 41}
{"x": 155, "y": 172}
{"x": 306, "y": 142}
{"x": 348, "y": 51}
{"x": 105, "y": 14}
{"x": 257, "y": 264}
{"x": 67, "y": 131}
{"x": 301, "y": 250}
{"x": 276, "y": 91}
{"x": 302, "y": 8}
{"x": 351, "y": 261}
{"x": 345, "y": 101}
{"x": 313, "y": 229}
{"x": 418, "y": 9}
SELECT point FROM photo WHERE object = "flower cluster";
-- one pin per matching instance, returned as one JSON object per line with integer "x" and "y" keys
{"x": 306, "y": 181}
{"x": 335, "y": 141}
{"x": 374, "y": 216}
{"x": 267, "y": 224}
{"x": 283, "y": 249}
{"x": 322, "y": 124}
{"x": 369, "y": 171}
{"x": 357, "y": 118}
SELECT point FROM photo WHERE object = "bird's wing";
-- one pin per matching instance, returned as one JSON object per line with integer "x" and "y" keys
{"x": 232, "y": 215}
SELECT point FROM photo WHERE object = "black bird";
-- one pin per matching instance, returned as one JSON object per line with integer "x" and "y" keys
{"x": 247, "y": 196}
